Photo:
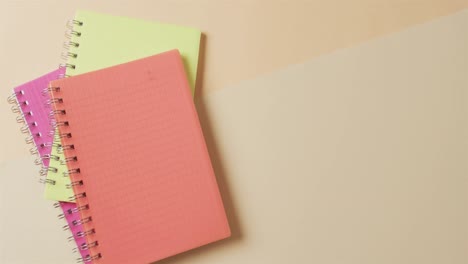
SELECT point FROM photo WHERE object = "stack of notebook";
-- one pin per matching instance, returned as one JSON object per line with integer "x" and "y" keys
{"x": 119, "y": 142}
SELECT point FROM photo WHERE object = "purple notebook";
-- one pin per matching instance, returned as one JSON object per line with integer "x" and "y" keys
{"x": 31, "y": 105}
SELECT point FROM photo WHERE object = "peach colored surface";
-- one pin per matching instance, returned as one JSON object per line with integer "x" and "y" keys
{"x": 144, "y": 166}
{"x": 242, "y": 38}
{"x": 356, "y": 157}
{"x": 242, "y": 41}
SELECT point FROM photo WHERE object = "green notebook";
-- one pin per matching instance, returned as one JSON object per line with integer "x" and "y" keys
{"x": 98, "y": 41}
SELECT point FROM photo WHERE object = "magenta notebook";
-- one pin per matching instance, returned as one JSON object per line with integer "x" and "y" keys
{"x": 31, "y": 104}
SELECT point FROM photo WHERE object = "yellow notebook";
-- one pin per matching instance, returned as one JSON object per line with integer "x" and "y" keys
{"x": 98, "y": 41}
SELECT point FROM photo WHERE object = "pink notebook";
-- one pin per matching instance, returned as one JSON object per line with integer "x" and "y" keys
{"x": 30, "y": 102}
{"x": 139, "y": 164}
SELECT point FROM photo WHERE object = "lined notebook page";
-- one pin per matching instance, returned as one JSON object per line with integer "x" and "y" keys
{"x": 32, "y": 102}
{"x": 105, "y": 40}
{"x": 142, "y": 157}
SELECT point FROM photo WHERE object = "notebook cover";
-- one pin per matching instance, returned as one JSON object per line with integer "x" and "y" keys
{"x": 141, "y": 159}
{"x": 106, "y": 40}
{"x": 35, "y": 110}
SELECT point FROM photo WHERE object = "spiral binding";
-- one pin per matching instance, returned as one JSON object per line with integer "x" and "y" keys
{"x": 75, "y": 183}
{"x": 25, "y": 117}
{"x": 56, "y": 112}
{"x": 86, "y": 246}
{"x": 71, "y": 31}
{"x": 67, "y": 65}
{"x": 50, "y": 144}
{"x": 67, "y": 54}
{"x": 47, "y": 181}
{"x": 47, "y": 90}
{"x": 79, "y": 222}
{"x": 89, "y": 258}
{"x": 46, "y": 157}
{"x": 58, "y": 119}
{"x": 44, "y": 170}
{"x": 77, "y": 196}
{"x": 81, "y": 234}
{"x": 74, "y": 211}
{"x": 58, "y": 116}
{"x": 70, "y": 158}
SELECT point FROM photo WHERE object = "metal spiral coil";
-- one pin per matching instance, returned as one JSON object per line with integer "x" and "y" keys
{"x": 33, "y": 151}
{"x": 45, "y": 170}
{"x": 15, "y": 109}
{"x": 12, "y": 98}
{"x": 82, "y": 221}
{"x": 70, "y": 33}
{"x": 70, "y": 44}
{"x": 47, "y": 181}
{"x": 25, "y": 128}
{"x": 50, "y": 145}
{"x": 53, "y": 113}
{"x": 29, "y": 139}
{"x": 67, "y": 65}
{"x": 78, "y": 222}
{"x": 85, "y": 233}
{"x": 81, "y": 234}
{"x": 78, "y": 209}
{"x": 71, "y": 171}
{"x": 58, "y": 115}
{"x": 25, "y": 117}
{"x": 73, "y": 184}
{"x": 38, "y": 161}
{"x": 64, "y": 135}
{"x": 87, "y": 246}
{"x": 51, "y": 133}
{"x": 63, "y": 75}
{"x": 73, "y": 211}
{"x": 59, "y": 150}
{"x": 73, "y": 22}
{"x": 54, "y": 101}
{"x": 47, "y": 90}
{"x": 89, "y": 258}
{"x": 77, "y": 196}
{"x": 68, "y": 160}
{"x": 20, "y": 120}
{"x": 68, "y": 54}
{"x": 68, "y": 147}
{"x": 50, "y": 157}
{"x": 55, "y": 124}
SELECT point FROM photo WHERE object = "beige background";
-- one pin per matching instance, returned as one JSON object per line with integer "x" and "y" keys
{"x": 30, "y": 231}
{"x": 416, "y": 217}
{"x": 243, "y": 38}
{"x": 359, "y": 156}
